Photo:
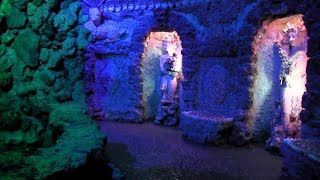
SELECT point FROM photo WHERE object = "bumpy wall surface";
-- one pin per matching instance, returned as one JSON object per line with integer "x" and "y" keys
{"x": 201, "y": 49}
{"x": 41, "y": 62}
{"x": 151, "y": 75}
{"x": 42, "y": 102}
{"x": 217, "y": 38}
{"x": 210, "y": 32}
{"x": 43, "y": 45}
{"x": 217, "y": 44}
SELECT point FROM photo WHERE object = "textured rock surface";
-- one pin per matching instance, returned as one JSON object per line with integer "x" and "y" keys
{"x": 205, "y": 128}
{"x": 234, "y": 23}
{"x": 54, "y": 60}
{"x": 26, "y": 46}
{"x": 213, "y": 33}
{"x": 20, "y": 4}
{"x": 240, "y": 133}
{"x": 15, "y": 18}
{"x": 68, "y": 47}
{"x": 218, "y": 89}
{"x": 42, "y": 104}
{"x": 7, "y": 37}
{"x": 66, "y": 18}
{"x": 310, "y": 116}
{"x": 37, "y": 16}
{"x": 79, "y": 137}
{"x": 47, "y": 77}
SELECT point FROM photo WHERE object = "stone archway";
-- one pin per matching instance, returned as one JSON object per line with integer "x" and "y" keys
{"x": 187, "y": 33}
{"x": 106, "y": 76}
{"x": 252, "y": 22}
{"x": 280, "y": 49}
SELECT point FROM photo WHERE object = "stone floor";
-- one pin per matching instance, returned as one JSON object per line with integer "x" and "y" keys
{"x": 147, "y": 151}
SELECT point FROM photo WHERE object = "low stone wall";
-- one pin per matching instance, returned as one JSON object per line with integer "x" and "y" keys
{"x": 301, "y": 159}
{"x": 205, "y": 128}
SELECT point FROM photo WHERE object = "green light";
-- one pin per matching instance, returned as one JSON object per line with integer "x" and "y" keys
{"x": 5, "y": 8}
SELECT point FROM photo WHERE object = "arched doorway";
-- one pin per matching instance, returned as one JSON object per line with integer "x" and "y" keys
{"x": 162, "y": 73}
{"x": 280, "y": 49}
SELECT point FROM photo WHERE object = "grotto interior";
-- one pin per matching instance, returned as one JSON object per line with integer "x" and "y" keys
{"x": 162, "y": 89}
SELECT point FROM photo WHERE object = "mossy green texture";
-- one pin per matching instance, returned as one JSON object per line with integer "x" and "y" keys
{"x": 26, "y": 46}
{"x": 15, "y": 18}
{"x": 80, "y": 136}
{"x": 66, "y": 18}
{"x": 5, "y": 7}
{"x": 11, "y": 158}
{"x": 5, "y": 79}
{"x": 44, "y": 128}
{"x": 7, "y": 37}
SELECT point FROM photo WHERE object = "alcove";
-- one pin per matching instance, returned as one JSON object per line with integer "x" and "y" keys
{"x": 280, "y": 52}
{"x": 156, "y": 46}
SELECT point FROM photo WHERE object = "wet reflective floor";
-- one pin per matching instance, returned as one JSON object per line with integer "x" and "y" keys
{"x": 148, "y": 151}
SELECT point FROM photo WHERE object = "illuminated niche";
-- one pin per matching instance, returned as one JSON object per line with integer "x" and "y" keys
{"x": 280, "y": 57}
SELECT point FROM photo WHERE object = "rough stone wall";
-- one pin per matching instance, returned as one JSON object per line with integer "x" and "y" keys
{"x": 113, "y": 81}
{"x": 42, "y": 44}
{"x": 310, "y": 117}
{"x": 194, "y": 23}
{"x": 151, "y": 74}
{"x": 219, "y": 88}
{"x": 266, "y": 84}
{"x": 211, "y": 32}
{"x": 42, "y": 102}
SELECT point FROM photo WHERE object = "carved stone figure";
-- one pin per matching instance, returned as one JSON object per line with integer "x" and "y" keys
{"x": 102, "y": 30}
{"x": 292, "y": 47}
{"x": 170, "y": 66}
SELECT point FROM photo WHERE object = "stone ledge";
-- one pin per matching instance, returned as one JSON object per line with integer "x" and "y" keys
{"x": 205, "y": 128}
{"x": 301, "y": 158}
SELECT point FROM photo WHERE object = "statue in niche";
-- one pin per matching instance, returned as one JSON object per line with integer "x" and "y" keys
{"x": 292, "y": 49}
{"x": 170, "y": 66}
{"x": 292, "y": 46}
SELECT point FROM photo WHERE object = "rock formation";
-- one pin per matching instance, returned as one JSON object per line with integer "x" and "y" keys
{"x": 41, "y": 89}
